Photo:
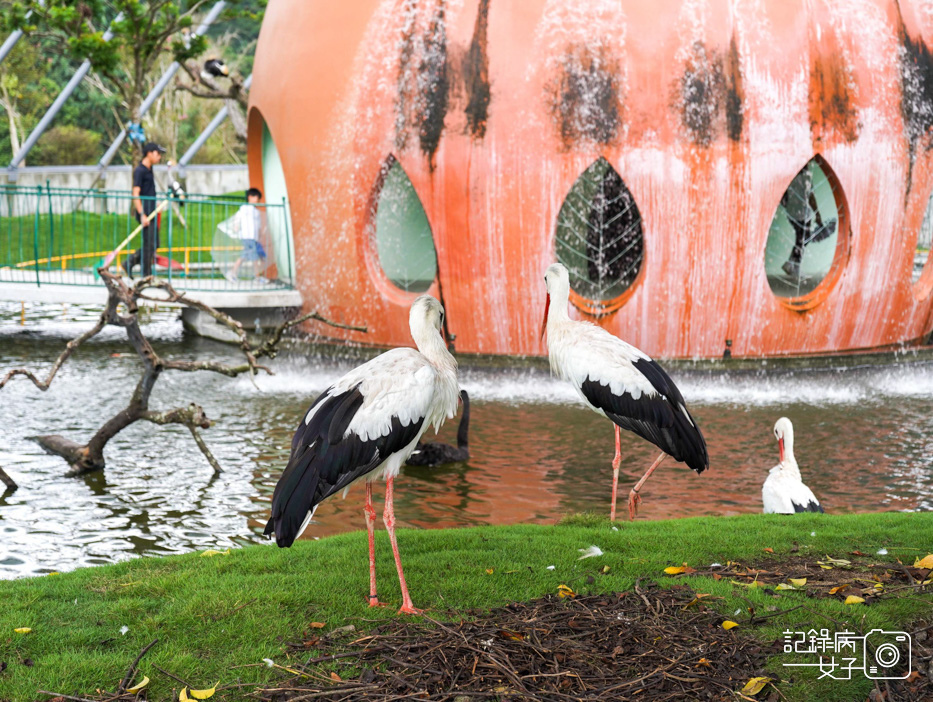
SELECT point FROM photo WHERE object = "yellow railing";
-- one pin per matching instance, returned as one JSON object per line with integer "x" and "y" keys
{"x": 187, "y": 250}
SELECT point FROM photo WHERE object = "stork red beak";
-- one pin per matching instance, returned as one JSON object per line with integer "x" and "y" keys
{"x": 781, "y": 448}
{"x": 547, "y": 307}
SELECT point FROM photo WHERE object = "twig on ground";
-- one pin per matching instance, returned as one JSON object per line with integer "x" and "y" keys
{"x": 132, "y": 669}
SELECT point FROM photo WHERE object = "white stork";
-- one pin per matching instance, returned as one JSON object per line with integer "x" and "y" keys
{"x": 784, "y": 491}
{"x": 619, "y": 382}
{"x": 364, "y": 426}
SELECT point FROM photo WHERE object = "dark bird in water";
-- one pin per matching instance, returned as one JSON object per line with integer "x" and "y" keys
{"x": 434, "y": 453}
{"x": 621, "y": 383}
{"x": 214, "y": 68}
{"x": 363, "y": 427}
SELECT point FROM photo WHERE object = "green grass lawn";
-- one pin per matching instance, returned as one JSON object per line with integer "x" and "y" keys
{"x": 84, "y": 232}
{"x": 212, "y": 615}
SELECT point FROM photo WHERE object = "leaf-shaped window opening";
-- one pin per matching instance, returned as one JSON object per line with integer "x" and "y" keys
{"x": 924, "y": 242}
{"x": 600, "y": 237}
{"x": 802, "y": 241}
{"x": 404, "y": 243}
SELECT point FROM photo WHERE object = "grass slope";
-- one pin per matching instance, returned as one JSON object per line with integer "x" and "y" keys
{"x": 211, "y": 614}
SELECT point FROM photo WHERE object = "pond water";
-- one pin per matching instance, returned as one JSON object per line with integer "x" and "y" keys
{"x": 864, "y": 444}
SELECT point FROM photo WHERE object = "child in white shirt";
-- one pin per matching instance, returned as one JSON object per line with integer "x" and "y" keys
{"x": 246, "y": 226}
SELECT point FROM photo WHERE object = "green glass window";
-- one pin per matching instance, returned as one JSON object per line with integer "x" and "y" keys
{"x": 599, "y": 234}
{"x": 924, "y": 241}
{"x": 273, "y": 178}
{"x": 804, "y": 232}
{"x": 404, "y": 243}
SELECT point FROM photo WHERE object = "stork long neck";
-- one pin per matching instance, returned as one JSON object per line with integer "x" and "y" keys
{"x": 557, "y": 308}
{"x": 433, "y": 348}
{"x": 789, "y": 462}
{"x": 558, "y": 333}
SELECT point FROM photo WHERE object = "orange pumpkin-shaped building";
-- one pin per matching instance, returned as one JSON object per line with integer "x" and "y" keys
{"x": 715, "y": 174}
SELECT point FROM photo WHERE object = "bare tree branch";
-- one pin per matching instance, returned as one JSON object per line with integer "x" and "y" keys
{"x": 69, "y": 349}
{"x": 122, "y": 311}
{"x": 205, "y": 450}
{"x": 7, "y": 480}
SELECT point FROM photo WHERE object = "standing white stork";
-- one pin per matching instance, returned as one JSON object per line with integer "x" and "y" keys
{"x": 619, "y": 382}
{"x": 784, "y": 491}
{"x": 364, "y": 426}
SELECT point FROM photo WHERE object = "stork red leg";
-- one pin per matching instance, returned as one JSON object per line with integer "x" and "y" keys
{"x": 633, "y": 497}
{"x": 371, "y": 528}
{"x": 615, "y": 472}
{"x": 388, "y": 516}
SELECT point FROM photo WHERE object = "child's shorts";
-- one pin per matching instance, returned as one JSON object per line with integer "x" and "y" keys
{"x": 252, "y": 250}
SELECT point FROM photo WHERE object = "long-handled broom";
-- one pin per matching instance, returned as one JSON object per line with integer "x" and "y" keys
{"x": 108, "y": 259}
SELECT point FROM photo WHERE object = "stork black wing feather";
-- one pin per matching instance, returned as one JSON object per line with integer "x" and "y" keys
{"x": 662, "y": 419}
{"x": 811, "y": 506}
{"x": 324, "y": 461}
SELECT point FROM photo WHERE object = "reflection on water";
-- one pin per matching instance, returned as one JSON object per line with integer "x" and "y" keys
{"x": 863, "y": 442}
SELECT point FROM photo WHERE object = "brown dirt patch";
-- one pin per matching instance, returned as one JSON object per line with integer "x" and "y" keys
{"x": 648, "y": 644}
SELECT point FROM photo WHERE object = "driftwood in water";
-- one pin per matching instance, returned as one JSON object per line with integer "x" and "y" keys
{"x": 122, "y": 311}
{"x": 7, "y": 480}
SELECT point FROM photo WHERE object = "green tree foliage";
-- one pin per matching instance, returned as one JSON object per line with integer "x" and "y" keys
{"x": 24, "y": 85}
{"x": 67, "y": 145}
{"x": 145, "y": 35}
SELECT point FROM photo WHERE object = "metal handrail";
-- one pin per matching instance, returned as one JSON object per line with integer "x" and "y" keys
{"x": 60, "y": 236}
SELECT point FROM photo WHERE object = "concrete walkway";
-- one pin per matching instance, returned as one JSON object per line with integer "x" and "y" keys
{"x": 258, "y": 306}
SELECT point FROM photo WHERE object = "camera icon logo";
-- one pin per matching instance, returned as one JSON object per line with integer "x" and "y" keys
{"x": 883, "y": 652}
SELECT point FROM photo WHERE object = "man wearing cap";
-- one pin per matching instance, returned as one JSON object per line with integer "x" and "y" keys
{"x": 144, "y": 192}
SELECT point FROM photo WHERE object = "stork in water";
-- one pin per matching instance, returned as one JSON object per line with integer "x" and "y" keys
{"x": 784, "y": 491}
{"x": 619, "y": 382}
{"x": 364, "y": 426}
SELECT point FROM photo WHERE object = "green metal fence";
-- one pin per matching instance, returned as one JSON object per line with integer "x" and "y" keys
{"x": 60, "y": 236}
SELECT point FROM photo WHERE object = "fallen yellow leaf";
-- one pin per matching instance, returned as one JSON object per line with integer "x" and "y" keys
{"x": 784, "y": 586}
{"x": 54, "y": 572}
{"x": 511, "y": 635}
{"x": 183, "y": 695}
{"x": 317, "y": 625}
{"x": 729, "y": 625}
{"x": 139, "y": 686}
{"x": 852, "y": 599}
{"x": 23, "y": 630}
{"x": 677, "y": 570}
{"x": 489, "y": 571}
{"x": 799, "y": 582}
{"x": 564, "y": 591}
{"x": 704, "y": 662}
{"x": 205, "y": 694}
{"x": 926, "y": 562}
{"x": 839, "y": 588}
{"x": 605, "y": 569}
{"x": 755, "y": 685}
{"x": 768, "y": 550}
{"x": 335, "y": 677}
{"x": 212, "y": 552}
{"x": 696, "y": 600}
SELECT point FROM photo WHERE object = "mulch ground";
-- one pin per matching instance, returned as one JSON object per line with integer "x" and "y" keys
{"x": 648, "y": 644}
{"x": 858, "y": 574}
